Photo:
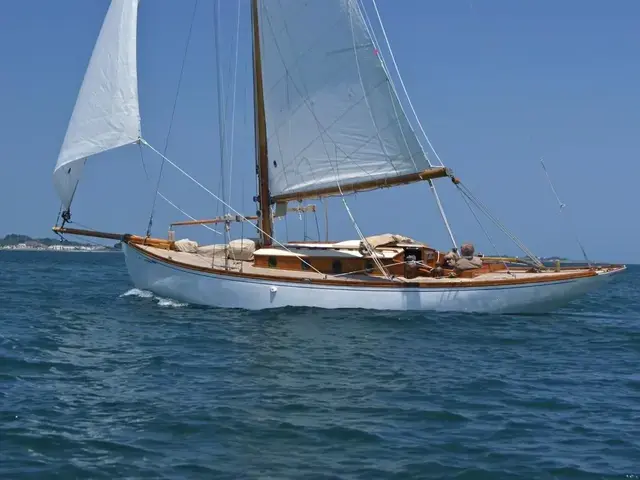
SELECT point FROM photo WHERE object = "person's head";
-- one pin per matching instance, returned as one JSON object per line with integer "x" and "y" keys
{"x": 467, "y": 250}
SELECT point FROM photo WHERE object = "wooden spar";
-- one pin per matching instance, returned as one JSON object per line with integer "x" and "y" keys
{"x": 214, "y": 220}
{"x": 437, "y": 172}
{"x": 262, "y": 160}
{"x": 89, "y": 233}
{"x": 237, "y": 218}
{"x": 121, "y": 237}
{"x": 501, "y": 259}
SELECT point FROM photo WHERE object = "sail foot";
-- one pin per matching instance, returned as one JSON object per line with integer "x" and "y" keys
{"x": 428, "y": 174}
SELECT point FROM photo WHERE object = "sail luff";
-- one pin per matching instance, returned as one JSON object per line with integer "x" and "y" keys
{"x": 262, "y": 160}
{"x": 106, "y": 114}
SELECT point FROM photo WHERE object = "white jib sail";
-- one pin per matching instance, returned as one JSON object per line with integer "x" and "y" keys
{"x": 331, "y": 113}
{"x": 106, "y": 114}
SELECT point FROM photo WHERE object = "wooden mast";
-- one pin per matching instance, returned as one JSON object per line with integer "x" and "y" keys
{"x": 262, "y": 160}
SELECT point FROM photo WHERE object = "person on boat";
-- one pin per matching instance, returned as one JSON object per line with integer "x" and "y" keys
{"x": 449, "y": 260}
{"x": 467, "y": 260}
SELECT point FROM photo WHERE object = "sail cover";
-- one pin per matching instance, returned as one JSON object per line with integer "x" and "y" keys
{"x": 332, "y": 115}
{"x": 106, "y": 114}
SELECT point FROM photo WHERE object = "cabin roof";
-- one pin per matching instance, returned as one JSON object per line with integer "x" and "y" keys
{"x": 326, "y": 252}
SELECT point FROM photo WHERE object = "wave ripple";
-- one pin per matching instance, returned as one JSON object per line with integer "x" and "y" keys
{"x": 97, "y": 383}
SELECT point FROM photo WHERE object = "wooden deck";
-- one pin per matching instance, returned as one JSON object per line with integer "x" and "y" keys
{"x": 163, "y": 251}
{"x": 217, "y": 265}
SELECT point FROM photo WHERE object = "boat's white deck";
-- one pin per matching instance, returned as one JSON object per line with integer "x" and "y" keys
{"x": 218, "y": 263}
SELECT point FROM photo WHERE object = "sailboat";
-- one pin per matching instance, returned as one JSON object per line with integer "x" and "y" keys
{"x": 328, "y": 122}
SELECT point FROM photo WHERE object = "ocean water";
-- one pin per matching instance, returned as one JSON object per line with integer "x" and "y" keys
{"x": 100, "y": 380}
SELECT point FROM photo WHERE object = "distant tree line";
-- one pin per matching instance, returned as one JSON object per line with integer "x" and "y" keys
{"x": 16, "y": 239}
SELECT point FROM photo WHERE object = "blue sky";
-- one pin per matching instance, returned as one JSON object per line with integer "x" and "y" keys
{"x": 496, "y": 83}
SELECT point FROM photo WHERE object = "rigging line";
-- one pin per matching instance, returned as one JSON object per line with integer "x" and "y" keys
{"x": 366, "y": 99}
{"x": 442, "y": 213}
{"x": 363, "y": 239}
{"x": 144, "y": 165}
{"x": 227, "y": 205}
{"x": 369, "y": 26}
{"x": 173, "y": 112}
{"x": 495, "y": 248}
{"x": 303, "y": 217}
{"x": 86, "y": 227}
{"x": 393, "y": 104}
{"x": 59, "y": 213}
{"x": 222, "y": 110}
{"x": 465, "y": 191}
{"x": 158, "y": 193}
{"x": 233, "y": 101}
{"x": 186, "y": 214}
{"x": 393, "y": 59}
{"x": 315, "y": 214}
{"x": 221, "y": 106}
{"x": 432, "y": 186}
{"x": 242, "y": 224}
{"x": 504, "y": 229}
{"x": 562, "y": 205}
{"x": 326, "y": 220}
{"x": 366, "y": 243}
{"x": 392, "y": 89}
{"x": 286, "y": 228}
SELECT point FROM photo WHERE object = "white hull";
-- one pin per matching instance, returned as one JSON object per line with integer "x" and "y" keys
{"x": 219, "y": 290}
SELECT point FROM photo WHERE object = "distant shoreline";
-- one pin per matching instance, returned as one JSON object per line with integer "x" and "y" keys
{"x": 57, "y": 251}
{"x": 24, "y": 243}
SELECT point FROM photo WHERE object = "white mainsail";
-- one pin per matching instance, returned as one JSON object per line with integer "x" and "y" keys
{"x": 106, "y": 114}
{"x": 332, "y": 115}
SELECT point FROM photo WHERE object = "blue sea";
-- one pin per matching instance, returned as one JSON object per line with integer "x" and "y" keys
{"x": 100, "y": 380}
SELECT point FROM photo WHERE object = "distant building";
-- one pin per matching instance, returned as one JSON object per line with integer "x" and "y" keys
{"x": 62, "y": 247}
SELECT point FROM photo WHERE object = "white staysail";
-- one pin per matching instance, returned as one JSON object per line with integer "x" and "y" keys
{"x": 331, "y": 113}
{"x": 106, "y": 114}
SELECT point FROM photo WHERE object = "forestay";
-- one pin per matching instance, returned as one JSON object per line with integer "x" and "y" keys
{"x": 331, "y": 113}
{"x": 106, "y": 114}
